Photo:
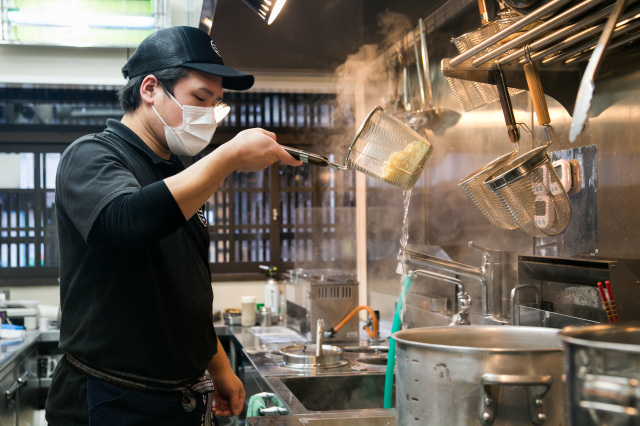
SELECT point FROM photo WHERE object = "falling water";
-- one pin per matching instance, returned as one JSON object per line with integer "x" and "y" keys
{"x": 404, "y": 237}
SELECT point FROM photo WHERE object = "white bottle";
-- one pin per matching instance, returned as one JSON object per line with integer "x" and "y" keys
{"x": 248, "y": 315}
{"x": 271, "y": 290}
{"x": 272, "y": 296}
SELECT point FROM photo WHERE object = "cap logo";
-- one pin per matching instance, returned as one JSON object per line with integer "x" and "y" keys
{"x": 215, "y": 49}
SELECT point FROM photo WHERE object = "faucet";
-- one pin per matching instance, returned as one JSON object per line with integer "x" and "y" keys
{"x": 464, "y": 300}
{"x": 488, "y": 274}
{"x": 319, "y": 337}
{"x": 491, "y": 281}
{"x": 514, "y": 293}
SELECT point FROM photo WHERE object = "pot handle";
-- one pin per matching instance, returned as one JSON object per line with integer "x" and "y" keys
{"x": 611, "y": 394}
{"x": 537, "y": 387}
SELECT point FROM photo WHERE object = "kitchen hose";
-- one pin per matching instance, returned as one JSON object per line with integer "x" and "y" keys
{"x": 391, "y": 357}
{"x": 372, "y": 332}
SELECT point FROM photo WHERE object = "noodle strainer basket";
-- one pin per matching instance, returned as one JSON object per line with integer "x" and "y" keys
{"x": 528, "y": 186}
{"x": 531, "y": 191}
{"x": 388, "y": 150}
{"x": 384, "y": 148}
{"x": 487, "y": 200}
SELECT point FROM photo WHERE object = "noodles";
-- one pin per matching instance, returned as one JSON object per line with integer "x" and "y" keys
{"x": 402, "y": 165}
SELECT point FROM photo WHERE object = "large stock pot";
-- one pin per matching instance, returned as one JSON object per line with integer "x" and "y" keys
{"x": 602, "y": 367}
{"x": 479, "y": 375}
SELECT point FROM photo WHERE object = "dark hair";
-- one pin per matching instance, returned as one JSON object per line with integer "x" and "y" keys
{"x": 129, "y": 94}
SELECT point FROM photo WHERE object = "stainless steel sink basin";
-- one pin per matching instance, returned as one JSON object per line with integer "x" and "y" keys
{"x": 351, "y": 421}
{"x": 373, "y": 360}
{"x": 343, "y": 392}
{"x": 366, "y": 349}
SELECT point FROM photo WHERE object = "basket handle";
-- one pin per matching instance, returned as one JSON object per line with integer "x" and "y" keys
{"x": 535, "y": 89}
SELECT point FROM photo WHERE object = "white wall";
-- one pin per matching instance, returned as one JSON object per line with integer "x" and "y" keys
{"x": 226, "y": 295}
{"x": 77, "y": 65}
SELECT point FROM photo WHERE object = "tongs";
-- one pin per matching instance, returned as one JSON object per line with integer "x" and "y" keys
{"x": 587, "y": 85}
{"x": 311, "y": 158}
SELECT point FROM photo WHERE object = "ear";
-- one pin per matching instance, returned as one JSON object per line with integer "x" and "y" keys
{"x": 149, "y": 89}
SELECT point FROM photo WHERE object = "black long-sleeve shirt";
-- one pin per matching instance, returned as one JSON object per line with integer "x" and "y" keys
{"x": 135, "y": 284}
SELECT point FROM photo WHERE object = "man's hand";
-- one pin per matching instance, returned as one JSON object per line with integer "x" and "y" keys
{"x": 228, "y": 394}
{"x": 254, "y": 149}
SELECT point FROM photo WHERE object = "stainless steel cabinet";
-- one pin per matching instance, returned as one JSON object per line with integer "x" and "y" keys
{"x": 19, "y": 390}
{"x": 28, "y": 382}
{"x": 9, "y": 397}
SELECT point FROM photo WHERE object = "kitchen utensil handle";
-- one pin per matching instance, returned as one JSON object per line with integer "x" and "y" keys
{"x": 586, "y": 88}
{"x": 537, "y": 94}
{"x": 425, "y": 64}
{"x": 307, "y": 157}
{"x": 507, "y": 108}
{"x": 484, "y": 15}
{"x": 423, "y": 95}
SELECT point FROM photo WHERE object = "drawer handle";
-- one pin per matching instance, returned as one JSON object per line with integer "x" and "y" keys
{"x": 10, "y": 393}
{"x": 22, "y": 380}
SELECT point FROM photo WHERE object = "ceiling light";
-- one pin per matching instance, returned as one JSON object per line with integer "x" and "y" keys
{"x": 266, "y": 9}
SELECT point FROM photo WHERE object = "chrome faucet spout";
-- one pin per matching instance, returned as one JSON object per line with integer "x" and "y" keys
{"x": 514, "y": 293}
{"x": 319, "y": 336}
{"x": 464, "y": 300}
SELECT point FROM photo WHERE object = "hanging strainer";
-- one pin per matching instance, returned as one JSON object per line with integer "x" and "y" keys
{"x": 532, "y": 193}
{"x": 383, "y": 148}
{"x": 486, "y": 200}
{"x": 471, "y": 94}
{"x": 528, "y": 186}
{"x": 386, "y": 149}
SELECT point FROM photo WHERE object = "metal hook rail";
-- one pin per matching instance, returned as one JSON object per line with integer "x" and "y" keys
{"x": 560, "y": 43}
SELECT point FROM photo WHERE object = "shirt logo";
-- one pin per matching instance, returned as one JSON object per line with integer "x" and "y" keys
{"x": 215, "y": 49}
{"x": 202, "y": 217}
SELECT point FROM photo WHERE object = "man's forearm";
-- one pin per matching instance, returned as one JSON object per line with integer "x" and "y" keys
{"x": 219, "y": 361}
{"x": 192, "y": 187}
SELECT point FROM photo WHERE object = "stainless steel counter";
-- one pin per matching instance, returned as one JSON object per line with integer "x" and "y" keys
{"x": 327, "y": 419}
{"x": 11, "y": 349}
{"x": 351, "y": 391}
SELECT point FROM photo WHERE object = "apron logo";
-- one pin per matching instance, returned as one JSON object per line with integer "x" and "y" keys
{"x": 202, "y": 217}
{"x": 215, "y": 49}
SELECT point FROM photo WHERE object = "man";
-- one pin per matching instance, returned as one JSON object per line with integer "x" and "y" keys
{"x": 135, "y": 285}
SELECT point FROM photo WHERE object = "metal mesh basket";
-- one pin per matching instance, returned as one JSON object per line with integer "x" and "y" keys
{"x": 531, "y": 191}
{"x": 386, "y": 149}
{"x": 471, "y": 94}
{"x": 486, "y": 200}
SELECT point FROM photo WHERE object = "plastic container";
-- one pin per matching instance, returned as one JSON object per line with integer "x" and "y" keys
{"x": 248, "y": 316}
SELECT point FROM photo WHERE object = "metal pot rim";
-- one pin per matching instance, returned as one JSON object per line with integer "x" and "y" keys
{"x": 398, "y": 337}
{"x": 584, "y": 336}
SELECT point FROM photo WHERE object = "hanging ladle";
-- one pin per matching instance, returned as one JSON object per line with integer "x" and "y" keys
{"x": 394, "y": 104}
{"x": 426, "y": 115}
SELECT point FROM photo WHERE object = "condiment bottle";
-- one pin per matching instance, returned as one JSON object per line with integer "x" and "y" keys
{"x": 248, "y": 317}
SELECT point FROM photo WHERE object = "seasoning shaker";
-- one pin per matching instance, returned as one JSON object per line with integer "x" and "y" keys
{"x": 265, "y": 316}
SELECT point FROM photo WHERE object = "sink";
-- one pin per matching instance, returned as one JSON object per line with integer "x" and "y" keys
{"x": 351, "y": 421}
{"x": 366, "y": 349}
{"x": 373, "y": 360}
{"x": 343, "y": 392}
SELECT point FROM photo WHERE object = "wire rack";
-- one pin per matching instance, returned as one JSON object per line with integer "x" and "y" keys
{"x": 561, "y": 35}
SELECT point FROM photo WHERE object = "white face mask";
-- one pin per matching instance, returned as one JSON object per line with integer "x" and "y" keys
{"x": 196, "y": 131}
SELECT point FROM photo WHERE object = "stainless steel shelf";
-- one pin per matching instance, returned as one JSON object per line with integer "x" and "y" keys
{"x": 560, "y": 36}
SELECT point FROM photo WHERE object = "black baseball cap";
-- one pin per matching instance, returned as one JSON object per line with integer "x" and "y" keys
{"x": 188, "y": 47}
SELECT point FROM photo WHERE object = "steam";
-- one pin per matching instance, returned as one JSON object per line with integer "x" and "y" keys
{"x": 368, "y": 73}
